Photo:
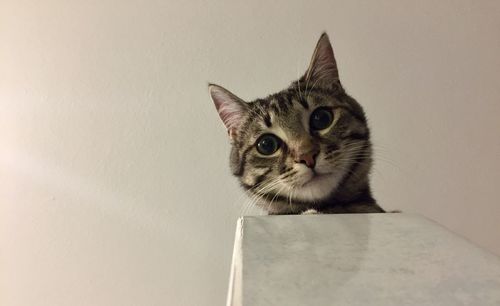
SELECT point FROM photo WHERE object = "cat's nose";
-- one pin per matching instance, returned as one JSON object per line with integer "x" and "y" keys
{"x": 309, "y": 159}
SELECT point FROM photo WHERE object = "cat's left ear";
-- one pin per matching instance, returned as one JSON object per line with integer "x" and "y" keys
{"x": 231, "y": 109}
{"x": 323, "y": 70}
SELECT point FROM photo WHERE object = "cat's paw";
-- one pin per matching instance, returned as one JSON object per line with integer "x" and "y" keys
{"x": 310, "y": 212}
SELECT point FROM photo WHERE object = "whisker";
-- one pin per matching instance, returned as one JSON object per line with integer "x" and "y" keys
{"x": 261, "y": 190}
{"x": 275, "y": 196}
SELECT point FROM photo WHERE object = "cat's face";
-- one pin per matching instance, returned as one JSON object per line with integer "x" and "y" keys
{"x": 301, "y": 143}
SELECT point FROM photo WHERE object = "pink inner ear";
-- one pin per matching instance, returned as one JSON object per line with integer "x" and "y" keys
{"x": 230, "y": 113}
{"x": 229, "y": 107}
{"x": 323, "y": 67}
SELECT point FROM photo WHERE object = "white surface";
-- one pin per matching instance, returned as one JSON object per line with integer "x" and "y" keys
{"x": 114, "y": 179}
{"x": 372, "y": 259}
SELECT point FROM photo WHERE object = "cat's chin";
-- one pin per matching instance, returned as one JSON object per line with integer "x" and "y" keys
{"x": 318, "y": 187}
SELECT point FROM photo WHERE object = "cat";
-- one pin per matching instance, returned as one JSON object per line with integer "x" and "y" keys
{"x": 305, "y": 149}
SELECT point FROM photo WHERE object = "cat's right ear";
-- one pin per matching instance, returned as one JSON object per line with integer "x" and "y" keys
{"x": 231, "y": 109}
{"x": 323, "y": 67}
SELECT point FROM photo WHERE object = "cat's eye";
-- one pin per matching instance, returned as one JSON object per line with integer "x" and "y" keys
{"x": 321, "y": 118}
{"x": 267, "y": 144}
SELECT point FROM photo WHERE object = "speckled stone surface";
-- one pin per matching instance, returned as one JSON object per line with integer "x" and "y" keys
{"x": 363, "y": 259}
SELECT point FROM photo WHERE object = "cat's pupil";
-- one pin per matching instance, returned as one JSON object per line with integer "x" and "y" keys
{"x": 320, "y": 119}
{"x": 268, "y": 144}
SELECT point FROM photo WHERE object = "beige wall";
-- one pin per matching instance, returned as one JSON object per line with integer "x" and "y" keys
{"x": 114, "y": 184}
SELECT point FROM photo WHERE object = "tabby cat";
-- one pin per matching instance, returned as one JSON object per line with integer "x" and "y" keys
{"x": 304, "y": 149}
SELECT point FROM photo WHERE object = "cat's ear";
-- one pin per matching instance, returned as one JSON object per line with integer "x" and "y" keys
{"x": 323, "y": 70}
{"x": 231, "y": 109}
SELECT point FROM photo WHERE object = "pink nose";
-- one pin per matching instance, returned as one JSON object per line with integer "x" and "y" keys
{"x": 309, "y": 159}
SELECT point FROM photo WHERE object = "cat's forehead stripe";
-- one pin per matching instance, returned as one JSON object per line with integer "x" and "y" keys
{"x": 267, "y": 120}
{"x": 303, "y": 102}
{"x": 279, "y": 105}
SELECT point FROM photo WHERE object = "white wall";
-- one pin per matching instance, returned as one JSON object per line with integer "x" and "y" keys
{"x": 115, "y": 188}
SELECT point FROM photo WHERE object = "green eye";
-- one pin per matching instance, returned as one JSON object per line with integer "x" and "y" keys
{"x": 267, "y": 144}
{"x": 321, "y": 118}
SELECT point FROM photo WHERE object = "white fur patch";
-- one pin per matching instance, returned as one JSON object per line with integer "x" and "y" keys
{"x": 319, "y": 188}
{"x": 310, "y": 212}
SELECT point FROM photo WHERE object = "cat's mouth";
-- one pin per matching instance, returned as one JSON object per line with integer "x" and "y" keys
{"x": 315, "y": 177}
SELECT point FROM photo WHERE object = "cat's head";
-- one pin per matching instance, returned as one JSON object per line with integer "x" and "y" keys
{"x": 299, "y": 145}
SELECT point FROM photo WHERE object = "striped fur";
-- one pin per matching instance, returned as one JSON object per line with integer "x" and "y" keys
{"x": 339, "y": 180}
